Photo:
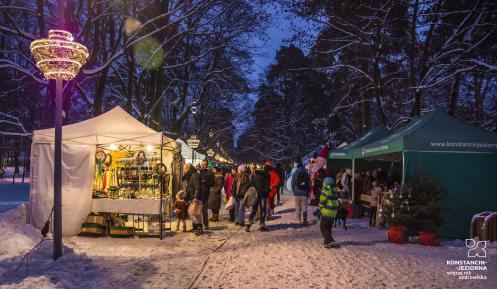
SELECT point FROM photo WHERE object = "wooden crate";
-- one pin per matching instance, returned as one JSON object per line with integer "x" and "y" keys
{"x": 121, "y": 231}
{"x": 95, "y": 219}
{"x": 92, "y": 229}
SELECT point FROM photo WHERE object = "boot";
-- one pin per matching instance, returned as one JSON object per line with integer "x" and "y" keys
{"x": 177, "y": 226}
{"x": 247, "y": 228}
{"x": 215, "y": 218}
{"x": 305, "y": 218}
{"x": 184, "y": 227}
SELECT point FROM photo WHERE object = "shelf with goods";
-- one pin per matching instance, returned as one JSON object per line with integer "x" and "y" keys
{"x": 132, "y": 190}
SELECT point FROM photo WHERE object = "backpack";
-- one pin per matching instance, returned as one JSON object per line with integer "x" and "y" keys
{"x": 302, "y": 180}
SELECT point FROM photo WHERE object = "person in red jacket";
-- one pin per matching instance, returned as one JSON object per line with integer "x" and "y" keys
{"x": 228, "y": 184}
{"x": 274, "y": 182}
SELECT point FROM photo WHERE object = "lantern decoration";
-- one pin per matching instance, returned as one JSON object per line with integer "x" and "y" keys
{"x": 58, "y": 56}
{"x": 193, "y": 142}
{"x": 210, "y": 153}
{"x": 194, "y": 109}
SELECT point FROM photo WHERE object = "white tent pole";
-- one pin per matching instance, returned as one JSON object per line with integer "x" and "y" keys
{"x": 353, "y": 181}
{"x": 403, "y": 170}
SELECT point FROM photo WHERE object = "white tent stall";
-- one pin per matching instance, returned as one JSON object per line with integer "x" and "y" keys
{"x": 79, "y": 143}
{"x": 188, "y": 153}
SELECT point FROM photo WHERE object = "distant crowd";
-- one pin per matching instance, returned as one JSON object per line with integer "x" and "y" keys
{"x": 258, "y": 188}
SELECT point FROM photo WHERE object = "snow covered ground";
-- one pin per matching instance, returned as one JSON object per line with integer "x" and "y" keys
{"x": 289, "y": 256}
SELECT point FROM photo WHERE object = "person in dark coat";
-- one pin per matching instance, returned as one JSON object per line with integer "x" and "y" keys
{"x": 214, "y": 202}
{"x": 240, "y": 186}
{"x": 261, "y": 182}
{"x": 207, "y": 180}
{"x": 193, "y": 194}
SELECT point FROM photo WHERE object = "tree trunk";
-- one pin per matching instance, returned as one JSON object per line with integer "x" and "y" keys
{"x": 454, "y": 94}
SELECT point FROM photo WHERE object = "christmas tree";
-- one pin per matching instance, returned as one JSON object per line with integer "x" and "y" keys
{"x": 417, "y": 207}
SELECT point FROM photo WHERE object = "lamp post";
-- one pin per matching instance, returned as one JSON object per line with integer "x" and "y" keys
{"x": 60, "y": 58}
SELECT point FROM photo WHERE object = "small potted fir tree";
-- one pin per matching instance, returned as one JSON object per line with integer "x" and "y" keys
{"x": 425, "y": 202}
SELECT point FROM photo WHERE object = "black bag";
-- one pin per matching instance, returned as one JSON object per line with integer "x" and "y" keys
{"x": 302, "y": 181}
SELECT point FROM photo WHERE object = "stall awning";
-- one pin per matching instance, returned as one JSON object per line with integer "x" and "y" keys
{"x": 347, "y": 152}
{"x": 436, "y": 131}
{"x": 113, "y": 127}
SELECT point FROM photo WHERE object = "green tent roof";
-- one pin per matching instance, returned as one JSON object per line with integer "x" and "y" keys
{"x": 347, "y": 152}
{"x": 436, "y": 131}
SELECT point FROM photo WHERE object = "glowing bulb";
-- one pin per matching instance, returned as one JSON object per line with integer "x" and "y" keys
{"x": 150, "y": 148}
{"x": 113, "y": 147}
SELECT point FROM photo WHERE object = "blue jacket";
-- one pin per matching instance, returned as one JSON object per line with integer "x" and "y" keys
{"x": 296, "y": 190}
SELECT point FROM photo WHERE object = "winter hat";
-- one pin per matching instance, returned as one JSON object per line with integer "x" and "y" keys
{"x": 241, "y": 168}
{"x": 329, "y": 181}
{"x": 269, "y": 164}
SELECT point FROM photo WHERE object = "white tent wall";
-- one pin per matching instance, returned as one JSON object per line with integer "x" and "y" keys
{"x": 77, "y": 176}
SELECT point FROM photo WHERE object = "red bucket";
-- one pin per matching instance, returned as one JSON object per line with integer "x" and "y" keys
{"x": 428, "y": 239}
{"x": 396, "y": 235}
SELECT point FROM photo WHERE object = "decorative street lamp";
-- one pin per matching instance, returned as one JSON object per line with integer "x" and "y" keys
{"x": 210, "y": 153}
{"x": 58, "y": 57}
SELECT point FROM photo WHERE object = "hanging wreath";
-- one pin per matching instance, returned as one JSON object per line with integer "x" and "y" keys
{"x": 140, "y": 157}
{"x": 100, "y": 155}
{"x": 107, "y": 160}
{"x": 161, "y": 168}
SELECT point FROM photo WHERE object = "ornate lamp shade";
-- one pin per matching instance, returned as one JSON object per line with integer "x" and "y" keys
{"x": 58, "y": 56}
{"x": 193, "y": 142}
{"x": 210, "y": 153}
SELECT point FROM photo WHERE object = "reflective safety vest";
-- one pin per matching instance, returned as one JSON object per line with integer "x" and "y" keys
{"x": 328, "y": 202}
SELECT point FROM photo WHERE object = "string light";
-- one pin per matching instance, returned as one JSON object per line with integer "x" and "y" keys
{"x": 58, "y": 56}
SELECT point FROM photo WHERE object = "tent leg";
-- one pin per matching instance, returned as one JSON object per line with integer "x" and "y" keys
{"x": 161, "y": 184}
{"x": 403, "y": 170}
{"x": 57, "y": 220}
{"x": 354, "y": 209}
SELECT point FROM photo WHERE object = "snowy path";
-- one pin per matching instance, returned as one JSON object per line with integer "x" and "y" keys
{"x": 289, "y": 256}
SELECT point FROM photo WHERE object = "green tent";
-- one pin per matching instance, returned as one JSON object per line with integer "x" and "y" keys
{"x": 343, "y": 157}
{"x": 347, "y": 152}
{"x": 459, "y": 157}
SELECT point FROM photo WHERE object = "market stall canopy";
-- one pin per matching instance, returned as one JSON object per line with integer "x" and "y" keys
{"x": 113, "y": 127}
{"x": 347, "y": 152}
{"x": 187, "y": 152}
{"x": 436, "y": 131}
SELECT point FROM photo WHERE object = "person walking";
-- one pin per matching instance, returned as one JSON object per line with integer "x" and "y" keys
{"x": 274, "y": 182}
{"x": 214, "y": 201}
{"x": 194, "y": 195}
{"x": 301, "y": 185}
{"x": 281, "y": 175}
{"x": 260, "y": 182}
{"x": 240, "y": 186}
{"x": 328, "y": 205}
{"x": 207, "y": 180}
{"x": 228, "y": 185}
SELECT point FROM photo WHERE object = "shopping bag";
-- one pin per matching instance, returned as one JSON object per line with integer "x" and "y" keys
{"x": 196, "y": 210}
{"x": 230, "y": 204}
